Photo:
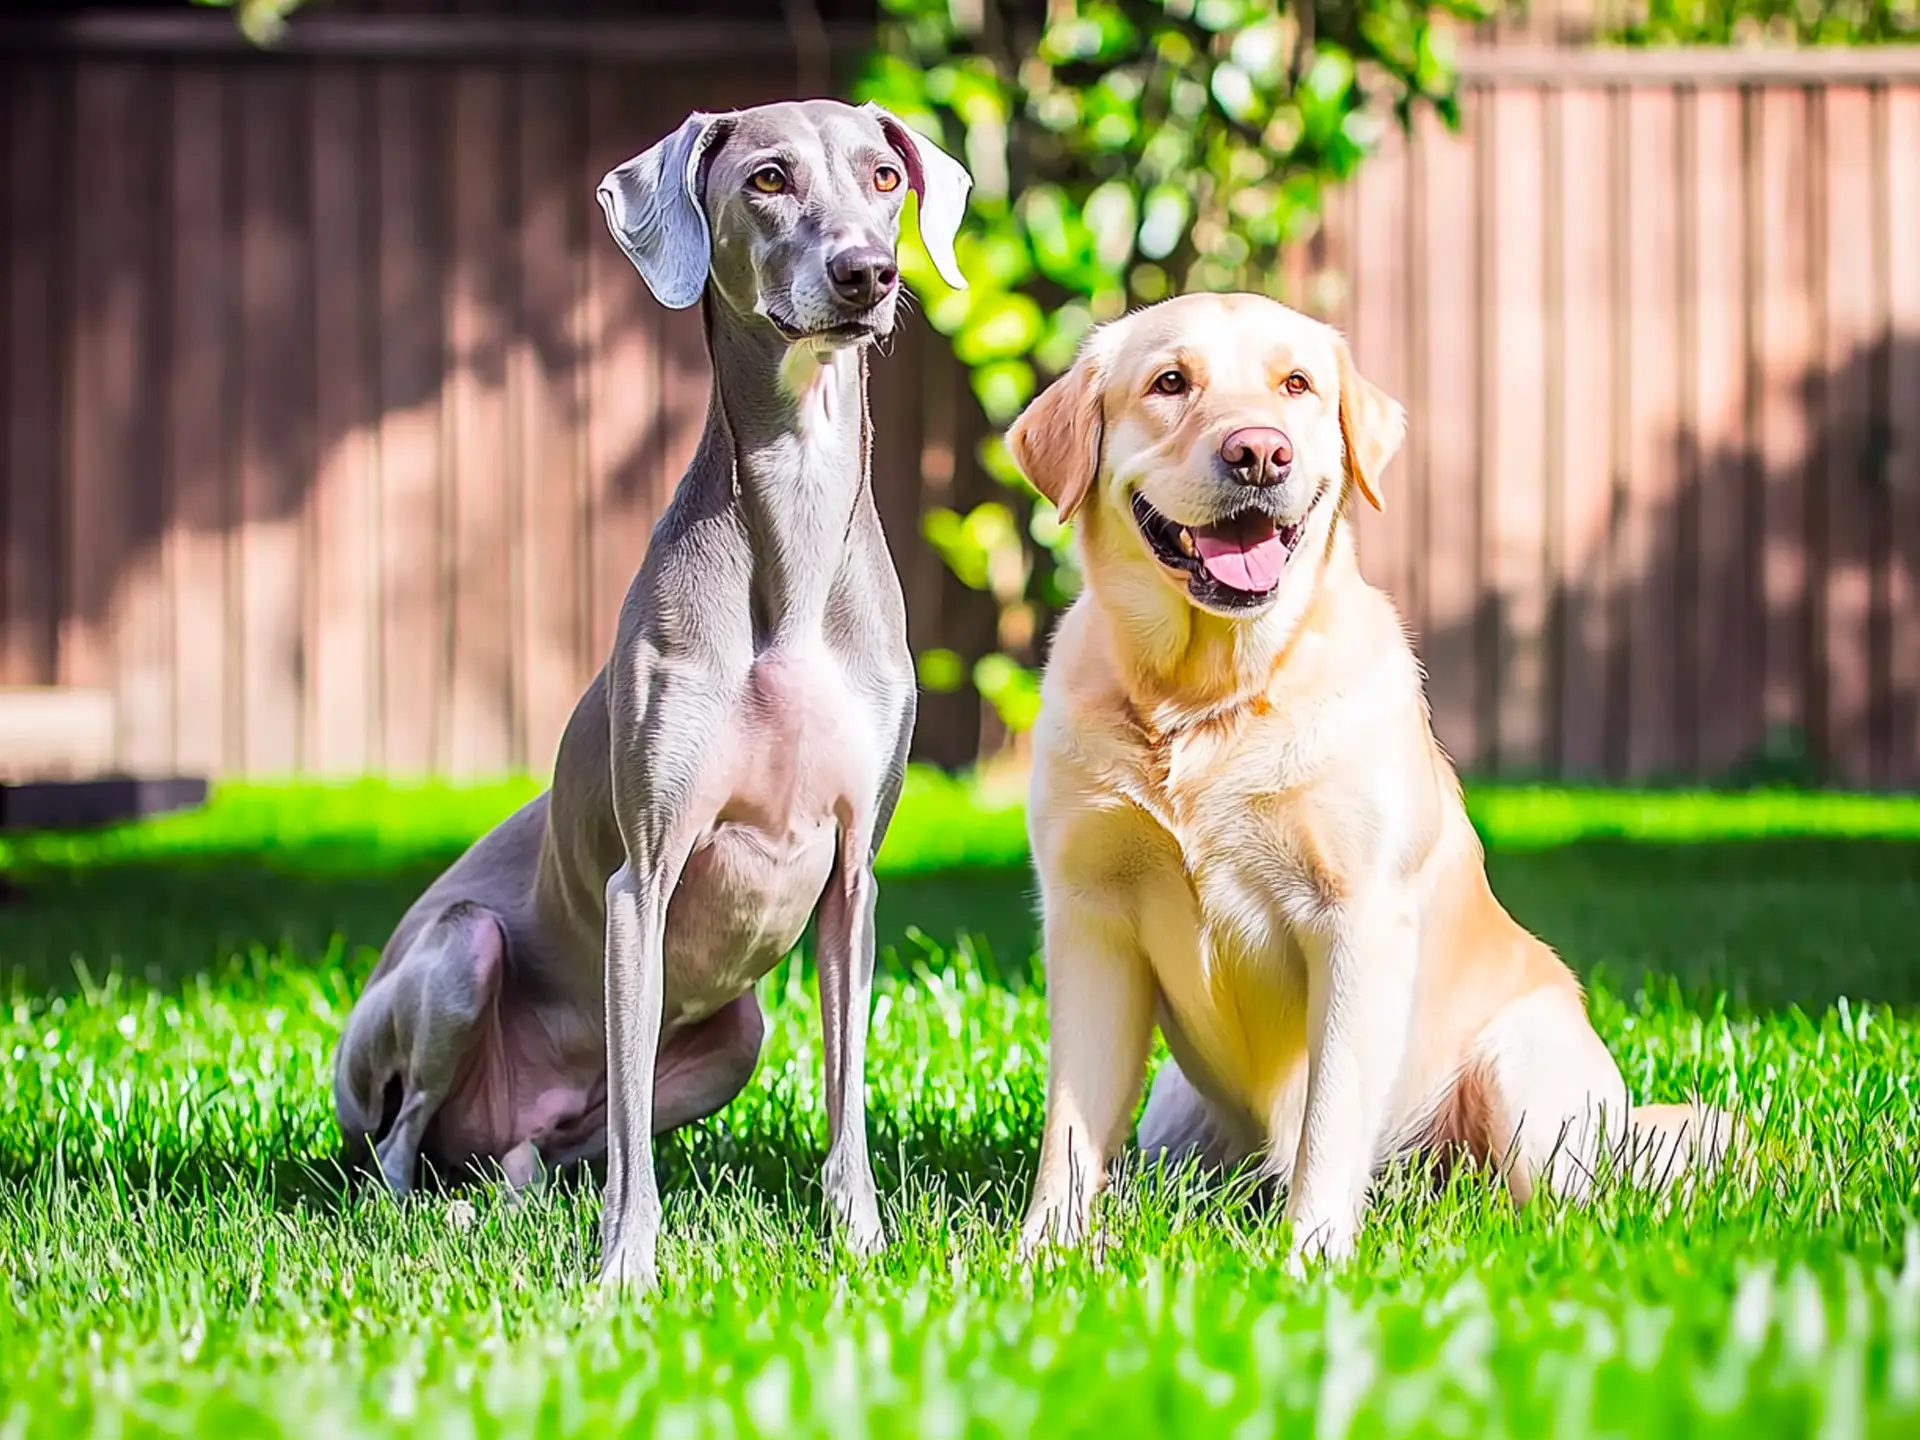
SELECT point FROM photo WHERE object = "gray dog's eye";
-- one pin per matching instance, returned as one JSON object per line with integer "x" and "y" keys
{"x": 885, "y": 178}
{"x": 768, "y": 180}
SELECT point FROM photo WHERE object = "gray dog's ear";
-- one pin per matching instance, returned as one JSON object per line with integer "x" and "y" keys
{"x": 653, "y": 207}
{"x": 941, "y": 183}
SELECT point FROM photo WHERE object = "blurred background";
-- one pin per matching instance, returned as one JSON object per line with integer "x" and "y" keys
{"x": 333, "y": 423}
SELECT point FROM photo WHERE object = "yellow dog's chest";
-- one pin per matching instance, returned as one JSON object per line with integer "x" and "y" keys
{"x": 1223, "y": 908}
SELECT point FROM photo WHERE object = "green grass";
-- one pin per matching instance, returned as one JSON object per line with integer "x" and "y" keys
{"x": 180, "y": 1256}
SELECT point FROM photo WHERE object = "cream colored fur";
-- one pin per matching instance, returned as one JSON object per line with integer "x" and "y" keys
{"x": 1246, "y": 834}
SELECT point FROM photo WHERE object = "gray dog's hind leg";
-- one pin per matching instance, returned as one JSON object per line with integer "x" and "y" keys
{"x": 702, "y": 1067}
{"x": 1180, "y": 1127}
{"x": 415, "y": 1024}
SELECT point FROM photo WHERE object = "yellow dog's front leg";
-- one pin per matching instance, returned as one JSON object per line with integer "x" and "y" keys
{"x": 1361, "y": 963}
{"x": 1100, "y": 997}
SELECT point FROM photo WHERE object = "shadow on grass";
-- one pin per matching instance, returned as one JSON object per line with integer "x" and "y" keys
{"x": 1756, "y": 925}
{"x": 1771, "y": 923}
{"x": 779, "y": 1165}
{"x": 168, "y": 921}
{"x": 1759, "y": 925}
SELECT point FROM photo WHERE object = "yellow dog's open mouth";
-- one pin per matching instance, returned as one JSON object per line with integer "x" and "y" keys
{"x": 1234, "y": 561}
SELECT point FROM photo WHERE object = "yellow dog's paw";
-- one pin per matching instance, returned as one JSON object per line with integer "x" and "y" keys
{"x": 1058, "y": 1231}
{"x": 1318, "y": 1243}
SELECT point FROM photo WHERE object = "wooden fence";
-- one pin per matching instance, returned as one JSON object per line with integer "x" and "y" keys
{"x": 332, "y": 424}
{"x": 1657, "y": 319}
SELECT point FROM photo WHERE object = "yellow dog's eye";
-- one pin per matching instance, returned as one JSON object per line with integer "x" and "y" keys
{"x": 1298, "y": 383}
{"x": 1169, "y": 382}
{"x": 885, "y": 178}
{"x": 769, "y": 180}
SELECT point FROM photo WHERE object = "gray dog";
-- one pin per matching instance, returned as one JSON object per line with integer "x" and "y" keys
{"x": 735, "y": 764}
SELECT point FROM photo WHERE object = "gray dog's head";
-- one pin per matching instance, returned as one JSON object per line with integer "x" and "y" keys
{"x": 793, "y": 209}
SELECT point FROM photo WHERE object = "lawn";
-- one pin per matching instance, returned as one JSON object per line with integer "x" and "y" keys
{"x": 181, "y": 1257}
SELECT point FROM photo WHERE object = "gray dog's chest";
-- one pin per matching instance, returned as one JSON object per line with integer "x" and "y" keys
{"x": 800, "y": 754}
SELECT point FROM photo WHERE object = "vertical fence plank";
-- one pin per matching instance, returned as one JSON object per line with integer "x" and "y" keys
{"x": 343, "y": 698}
{"x": 1330, "y": 255}
{"x": 1685, "y": 520}
{"x": 1848, "y": 439}
{"x": 896, "y": 469}
{"x": 548, "y": 388}
{"x": 200, "y": 387}
{"x": 276, "y": 451}
{"x": 1553, "y": 426}
{"x": 684, "y": 373}
{"x": 1379, "y": 305}
{"x": 976, "y": 613}
{"x": 141, "y": 611}
{"x": 1722, "y": 645}
{"x": 947, "y": 729}
{"x": 8, "y": 543}
{"x": 1584, "y": 422}
{"x": 1517, "y": 481}
{"x": 625, "y": 419}
{"x": 484, "y": 538}
{"x": 1448, "y": 410}
{"x": 1653, "y": 512}
{"x": 1617, "y": 687}
{"x": 36, "y": 339}
{"x": 1413, "y": 596}
{"x": 116, "y": 606}
{"x": 1901, "y": 177}
{"x": 1786, "y": 343}
{"x": 411, "y": 197}
{"x": 110, "y": 311}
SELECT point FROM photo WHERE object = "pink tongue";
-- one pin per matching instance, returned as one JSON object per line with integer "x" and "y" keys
{"x": 1245, "y": 564}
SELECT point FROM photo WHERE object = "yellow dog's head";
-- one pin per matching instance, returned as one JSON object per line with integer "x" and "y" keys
{"x": 1212, "y": 437}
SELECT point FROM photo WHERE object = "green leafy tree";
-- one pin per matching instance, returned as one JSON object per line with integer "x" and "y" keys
{"x": 1123, "y": 151}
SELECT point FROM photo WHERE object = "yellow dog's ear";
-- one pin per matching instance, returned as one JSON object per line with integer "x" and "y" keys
{"x": 1372, "y": 425}
{"x": 1056, "y": 441}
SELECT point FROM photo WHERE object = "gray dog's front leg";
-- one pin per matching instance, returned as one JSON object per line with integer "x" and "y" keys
{"x": 636, "y": 993}
{"x": 846, "y": 1003}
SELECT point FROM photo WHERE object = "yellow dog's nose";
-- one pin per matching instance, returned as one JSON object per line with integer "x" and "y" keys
{"x": 1257, "y": 455}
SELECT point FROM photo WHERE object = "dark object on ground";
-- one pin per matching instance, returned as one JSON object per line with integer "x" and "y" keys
{"x": 79, "y": 804}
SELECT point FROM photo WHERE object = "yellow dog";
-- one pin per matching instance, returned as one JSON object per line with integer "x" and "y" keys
{"x": 1244, "y": 829}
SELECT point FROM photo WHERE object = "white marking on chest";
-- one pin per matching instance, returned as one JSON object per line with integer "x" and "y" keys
{"x": 812, "y": 377}
{"x": 797, "y": 745}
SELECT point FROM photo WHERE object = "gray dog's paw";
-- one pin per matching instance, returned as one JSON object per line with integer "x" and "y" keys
{"x": 861, "y": 1234}
{"x": 627, "y": 1273}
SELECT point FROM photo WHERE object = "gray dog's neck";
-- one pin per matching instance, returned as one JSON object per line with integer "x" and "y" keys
{"x": 788, "y": 435}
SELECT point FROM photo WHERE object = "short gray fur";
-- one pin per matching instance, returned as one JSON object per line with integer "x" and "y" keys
{"x": 581, "y": 980}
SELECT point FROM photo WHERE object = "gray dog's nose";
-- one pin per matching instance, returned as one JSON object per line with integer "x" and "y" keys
{"x": 863, "y": 275}
{"x": 1257, "y": 455}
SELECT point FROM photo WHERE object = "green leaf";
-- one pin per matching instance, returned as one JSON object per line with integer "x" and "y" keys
{"x": 1066, "y": 328}
{"x": 1001, "y": 327}
{"x": 941, "y": 671}
{"x": 1003, "y": 388}
{"x": 1164, "y": 220}
{"x": 947, "y": 533}
{"x": 997, "y": 461}
{"x": 1011, "y": 688}
{"x": 1112, "y": 215}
